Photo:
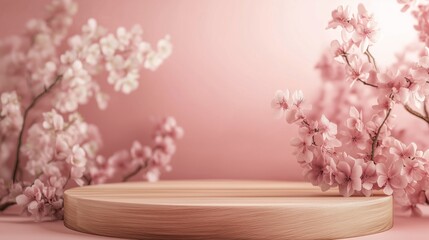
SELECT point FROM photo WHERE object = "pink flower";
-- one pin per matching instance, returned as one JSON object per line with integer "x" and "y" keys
{"x": 363, "y": 14}
{"x": 340, "y": 51}
{"x": 414, "y": 169}
{"x": 366, "y": 30}
{"x": 280, "y": 102}
{"x": 302, "y": 145}
{"x": 357, "y": 70}
{"x": 77, "y": 157}
{"x": 316, "y": 172}
{"x": 390, "y": 177}
{"x": 341, "y": 17}
{"x": 53, "y": 121}
{"x": 355, "y": 138}
{"x": 402, "y": 151}
{"x": 153, "y": 175}
{"x": 41, "y": 200}
{"x": 120, "y": 160}
{"x": 139, "y": 153}
{"x": 355, "y": 120}
{"x": 394, "y": 83}
{"x": 348, "y": 175}
{"x": 293, "y": 108}
{"x": 326, "y": 128}
{"x": 369, "y": 177}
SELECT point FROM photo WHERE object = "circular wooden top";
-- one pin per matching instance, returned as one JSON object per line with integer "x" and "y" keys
{"x": 223, "y": 210}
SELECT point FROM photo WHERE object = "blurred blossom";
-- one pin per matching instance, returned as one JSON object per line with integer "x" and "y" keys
{"x": 58, "y": 148}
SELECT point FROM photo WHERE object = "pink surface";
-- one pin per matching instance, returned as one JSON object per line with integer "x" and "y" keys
{"x": 229, "y": 58}
{"x": 11, "y": 227}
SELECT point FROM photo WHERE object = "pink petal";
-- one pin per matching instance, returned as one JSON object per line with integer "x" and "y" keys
{"x": 381, "y": 181}
{"x": 388, "y": 189}
{"x": 22, "y": 200}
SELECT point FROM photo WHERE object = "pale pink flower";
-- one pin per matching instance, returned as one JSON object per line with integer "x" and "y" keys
{"x": 153, "y": 175}
{"x": 340, "y": 51}
{"x": 341, "y": 17}
{"x": 140, "y": 153}
{"x": 155, "y": 58}
{"x": 41, "y": 200}
{"x": 280, "y": 102}
{"x": 357, "y": 69}
{"x": 348, "y": 175}
{"x": 316, "y": 172}
{"x": 302, "y": 145}
{"x": 77, "y": 157}
{"x": 414, "y": 169}
{"x": 393, "y": 83}
{"x": 355, "y": 138}
{"x": 363, "y": 13}
{"x": 355, "y": 120}
{"x": 402, "y": 151}
{"x": 366, "y": 30}
{"x": 369, "y": 177}
{"x": 109, "y": 44}
{"x": 326, "y": 128}
{"x": 53, "y": 121}
{"x": 120, "y": 160}
{"x": 390, "y": 177}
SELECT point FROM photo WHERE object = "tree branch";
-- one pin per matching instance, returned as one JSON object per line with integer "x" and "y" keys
{"x": 417, "y": 114}
{"x": 25, "y": 117}
{"x": 133, "y": 173}
{"x": 375, "y": 139}
{"x": 371, "y": 58}
{"x": 360, "y": 80}
{"x": 5, "y": 205}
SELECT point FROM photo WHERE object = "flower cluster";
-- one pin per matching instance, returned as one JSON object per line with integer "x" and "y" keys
{"x": 10, "y": 123}
{"x": 45, "y": 75}
{"x": 148, "y": 161}
{"x": 352, "y": 146}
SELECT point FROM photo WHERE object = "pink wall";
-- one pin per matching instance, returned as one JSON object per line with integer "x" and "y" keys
{"x": 229, "y": 58}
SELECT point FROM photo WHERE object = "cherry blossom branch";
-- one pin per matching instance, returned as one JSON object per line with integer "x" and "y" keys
{"x": 375, "y": 139}
{"x": 21, "y": 132}
{"x": 417, "y": 114}
{"x": 5, "y": 205}
{"x": 360, "y": 80}
{"x": 135, "y": 172}
{"x": 368, "y": 84}
{"x": 371, "y": 58}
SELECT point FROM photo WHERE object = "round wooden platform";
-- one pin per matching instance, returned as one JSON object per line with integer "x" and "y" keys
{"x": 223, "y": 210}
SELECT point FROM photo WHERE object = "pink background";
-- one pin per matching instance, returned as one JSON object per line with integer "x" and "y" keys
{"x": 229, "y": 58}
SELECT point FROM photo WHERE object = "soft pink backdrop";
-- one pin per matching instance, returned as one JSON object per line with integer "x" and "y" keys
{"x": 229, "y": 58}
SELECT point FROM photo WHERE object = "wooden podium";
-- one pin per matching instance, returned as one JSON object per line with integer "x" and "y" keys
{"x": 223, "y": 210}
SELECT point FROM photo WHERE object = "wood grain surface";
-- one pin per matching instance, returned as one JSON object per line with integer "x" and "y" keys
{"x": 223, "y": 210}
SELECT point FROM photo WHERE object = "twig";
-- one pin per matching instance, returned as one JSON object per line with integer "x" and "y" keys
{"x": 360, "y": 80}
{"x": 375, "y": 139}
{"x": 5, "y": 205}
{"x": 371, "y": 58}
{"x": 133, "y": 173}
{"x": 21, "y": 133}
{"x": 417, "y": 114}
{"x": 368, "y": 84}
